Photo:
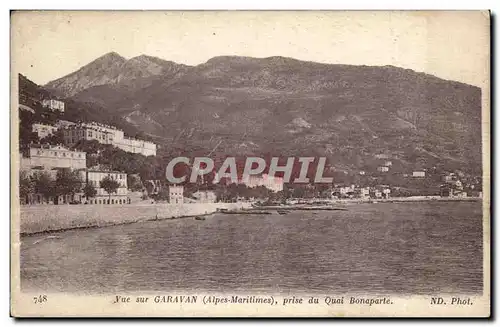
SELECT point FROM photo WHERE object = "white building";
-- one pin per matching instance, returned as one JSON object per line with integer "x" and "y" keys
{"x": 107, "y": 135}
{"x": 94, "y": 178}
{"x": 418, "y": 174}
{"x": 53, "y": 104}
{"x": 43, "y": 130}
{"x": 364, "y": 192}
{"x": 272, "y": 183}
{"x": 50, "y": 157}
{"x": 176, "y": 194}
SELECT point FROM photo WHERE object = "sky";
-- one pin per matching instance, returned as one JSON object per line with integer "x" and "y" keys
{"x": 451, "y": 45}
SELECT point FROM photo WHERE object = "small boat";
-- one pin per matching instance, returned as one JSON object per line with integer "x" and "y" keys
{"x": 282, "y": 212}
{"x": 199, "y": 218}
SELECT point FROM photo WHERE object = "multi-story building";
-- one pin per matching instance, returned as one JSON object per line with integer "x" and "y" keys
{"x": 49, "y": 157}
{"x": 54, "y": 105}
{"x": 176, "y": 194}
{"x": 364, "y": 192}
{"x": 136, "y": 146}
{"x": 94, "y": 176}
{"x": 43, "y": 130}
{"x": 418, "y": 174}
{"x": 272, "y": 183}
{"x": 448, "y": 178}
{"x": 205, "y": 196}
{"x": 74, "y": 133}
{"x": 49, "y": 160}
{"x": 107, "y": 135}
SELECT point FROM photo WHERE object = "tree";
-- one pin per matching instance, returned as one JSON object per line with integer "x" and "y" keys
{"x": 89, "y": 191}
{"x": 56, "y": 138}
{"x": 134, "y": 183}
{"x": 68, "y": 182}
{"x": 43, "y": 184}
{"x": 26, "y": 186}
{"x": 27, "y": 136}
{"x": 109, "y": 185}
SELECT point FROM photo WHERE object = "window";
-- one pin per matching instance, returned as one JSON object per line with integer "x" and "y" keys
{"x": 64, "y": 154}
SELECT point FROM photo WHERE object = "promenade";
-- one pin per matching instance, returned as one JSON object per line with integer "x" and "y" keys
{"x": 50, "y": 218}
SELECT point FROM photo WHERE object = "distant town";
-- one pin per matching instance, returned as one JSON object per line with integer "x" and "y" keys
{"x": 96, "y": 163}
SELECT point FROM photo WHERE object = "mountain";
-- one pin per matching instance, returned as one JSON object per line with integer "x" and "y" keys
{"x": 284, "y": 106}
{"x": 111, "y": 77}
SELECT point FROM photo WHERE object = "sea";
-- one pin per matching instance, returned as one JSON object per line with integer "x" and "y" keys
{"x": 378, "y": 248}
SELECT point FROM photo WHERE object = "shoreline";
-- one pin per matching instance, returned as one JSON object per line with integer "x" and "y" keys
{"x": 51, "y": 231}
{"x": 46, "y": 219}
{"x": 52, "y": 218}
{"x": 410, "y": 199}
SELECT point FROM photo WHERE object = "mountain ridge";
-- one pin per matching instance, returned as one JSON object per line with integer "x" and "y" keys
{"x": 279, "y": 104}
{"x": 113, "y": 69}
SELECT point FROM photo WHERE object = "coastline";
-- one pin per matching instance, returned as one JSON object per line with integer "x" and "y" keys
{"x": 42, "y": 219}
{"x": 409, "y": 199}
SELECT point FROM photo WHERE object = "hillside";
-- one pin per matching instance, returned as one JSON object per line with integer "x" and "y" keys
{"x": 31, "y": 95}
{"x": 352, "y": 114}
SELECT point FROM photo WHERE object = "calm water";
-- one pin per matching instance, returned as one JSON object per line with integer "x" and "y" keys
{"x": 423, "y": 248}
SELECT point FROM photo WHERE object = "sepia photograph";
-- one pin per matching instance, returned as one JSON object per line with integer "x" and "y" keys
{"x": 250, "y": 163}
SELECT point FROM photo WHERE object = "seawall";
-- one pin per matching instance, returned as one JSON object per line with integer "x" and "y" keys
{"x": 50, "y": 218}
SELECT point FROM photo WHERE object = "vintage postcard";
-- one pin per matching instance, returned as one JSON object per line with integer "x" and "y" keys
{"x": 250, "y": 164}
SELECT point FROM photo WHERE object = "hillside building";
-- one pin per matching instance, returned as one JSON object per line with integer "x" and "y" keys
{"x": 418, "y": 174}
{"x": 272, "y": 183}
{"x": 106, "y": 134}
{"x": 53, "y": 105}
{"x": 43, "y": 130}
{"x": 49, "y": 157}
